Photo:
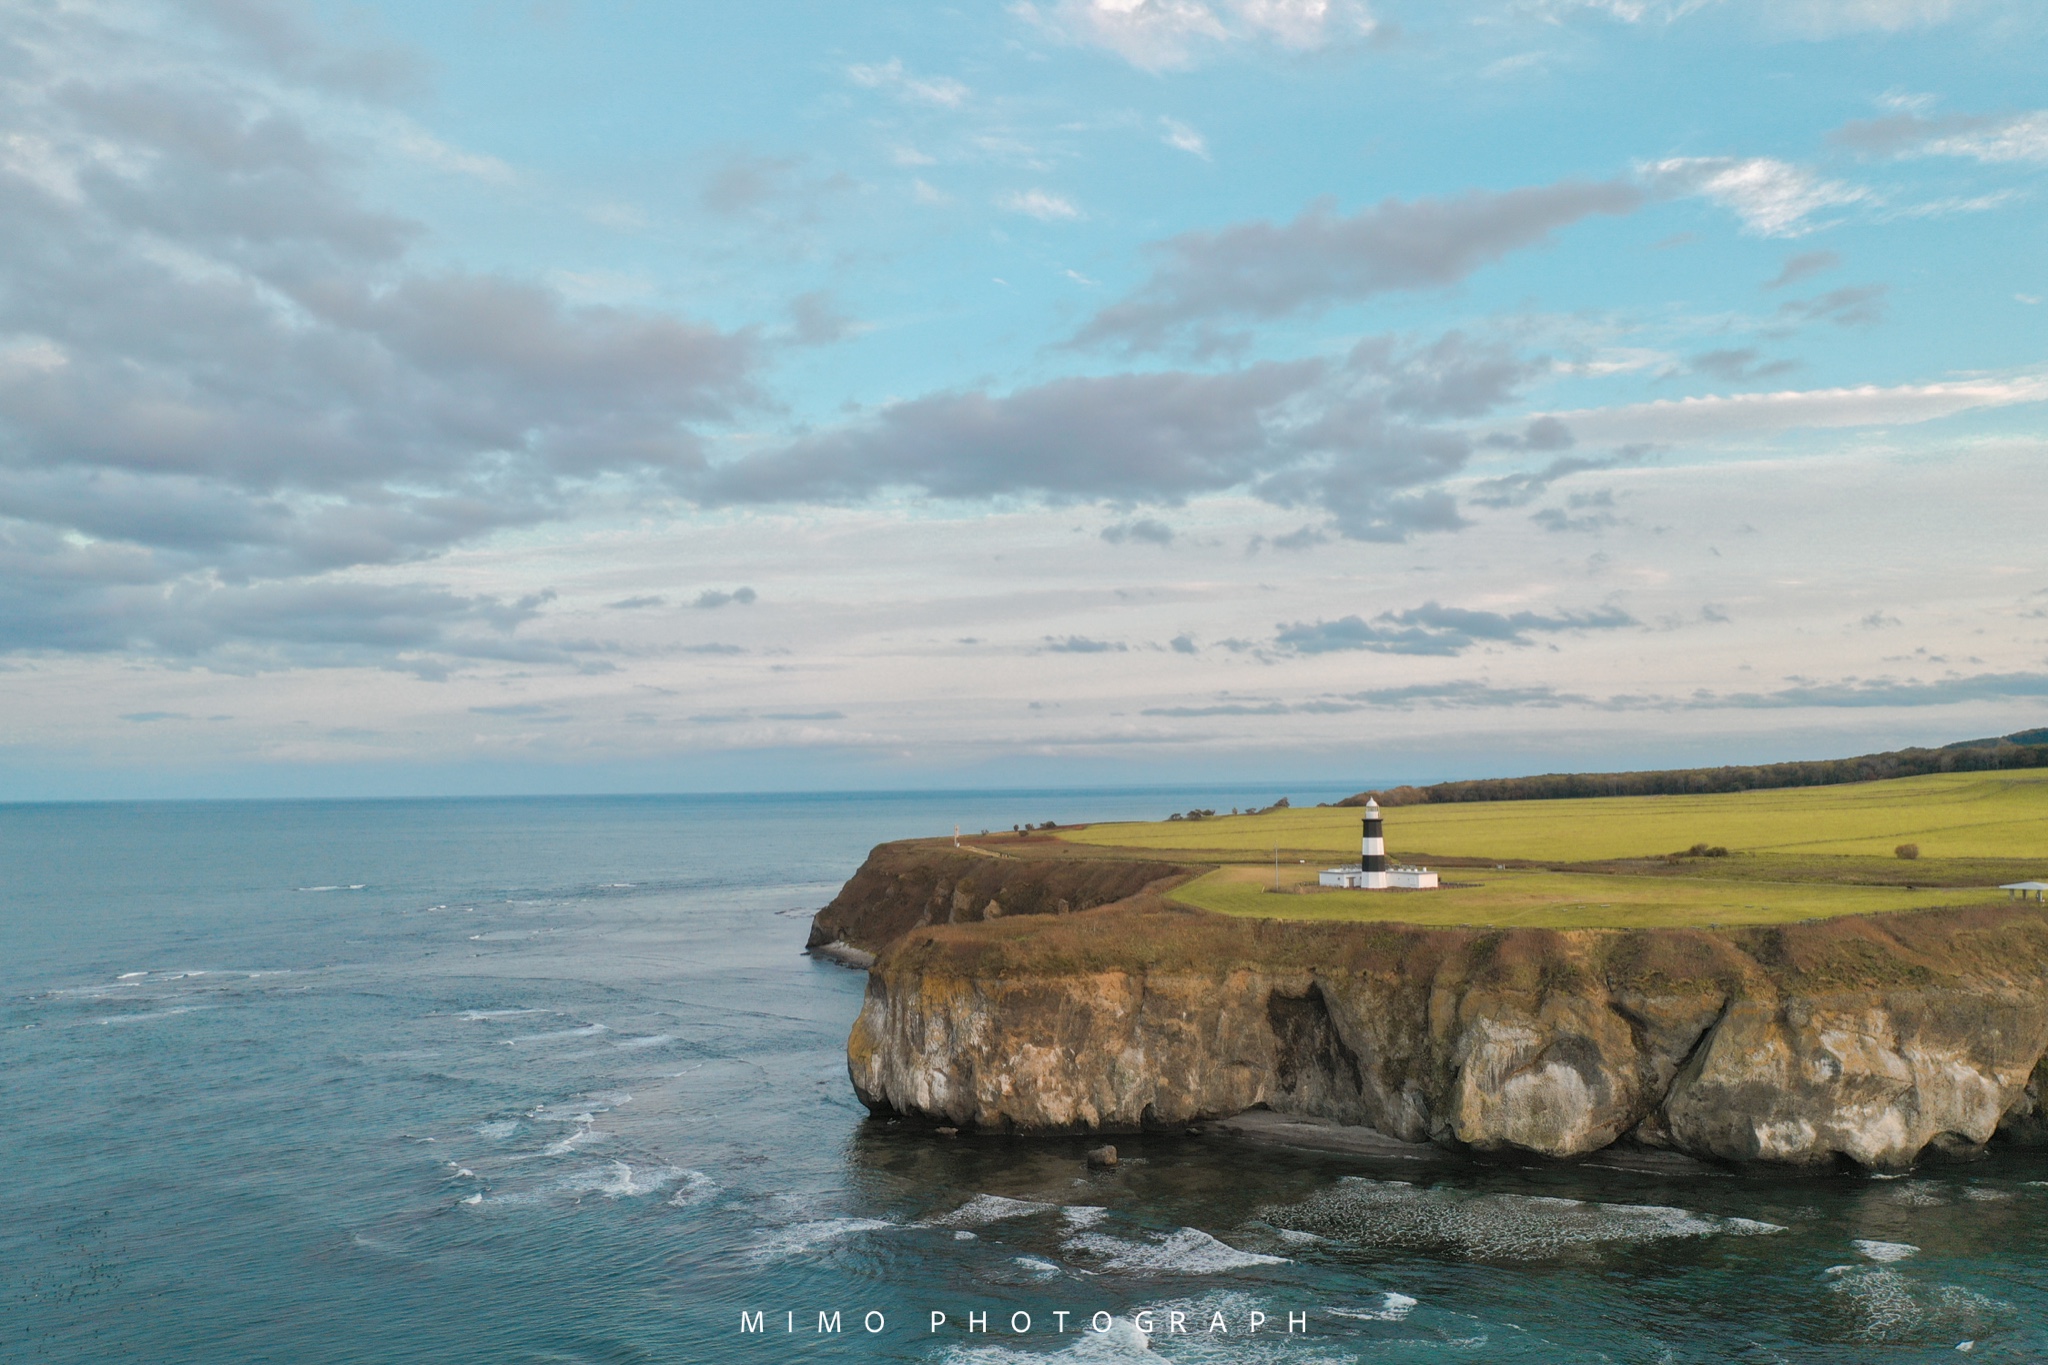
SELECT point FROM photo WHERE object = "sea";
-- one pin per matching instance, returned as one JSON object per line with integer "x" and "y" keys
{"x": 551, "y": 1080}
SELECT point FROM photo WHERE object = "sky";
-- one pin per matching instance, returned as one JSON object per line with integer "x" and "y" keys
{"x": 579, "y": 397}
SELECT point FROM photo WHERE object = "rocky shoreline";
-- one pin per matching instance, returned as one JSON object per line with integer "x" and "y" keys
{"x": 1871, "y": 1039}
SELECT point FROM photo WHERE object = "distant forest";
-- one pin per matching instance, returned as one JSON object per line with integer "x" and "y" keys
{"x": 2027, "y": 749}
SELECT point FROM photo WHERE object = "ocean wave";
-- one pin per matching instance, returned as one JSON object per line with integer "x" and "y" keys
{"x": 1083, "y": 1215}
{"x": 651, "y": 1040}
{"x": 799, "y": 1238}
{"x": 154, "y": 1015}
{"x": 477, "y": 1016}
{"x": 1886, "y": 1306}
{"x": 1884, "y": 1251}
{"x": 1124, "y": 1342}
{"x": 582, "y": 1137}
{"x": 620, "y": 1180}
{"x": 587, "y": 1031}
{"x": 693, "y": 1188}
{"x": 1188, "y": 1251}
{"x": 990, "y": 1208}
{"x": 1393, "y": 1307}
{"x": 498, "y": 1130}
{"x": 1501, "y": 1227}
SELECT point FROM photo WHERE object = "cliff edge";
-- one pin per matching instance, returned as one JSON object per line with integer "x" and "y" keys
{"x": 1871, "y": 1038}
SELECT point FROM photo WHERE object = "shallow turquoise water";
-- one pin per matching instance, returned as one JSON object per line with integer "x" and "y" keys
{"x": 549, "y": 1080}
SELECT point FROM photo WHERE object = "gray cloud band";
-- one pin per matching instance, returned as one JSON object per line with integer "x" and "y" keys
{"x": 220, "y": 366}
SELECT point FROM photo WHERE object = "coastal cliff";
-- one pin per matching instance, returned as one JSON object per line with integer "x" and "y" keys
{"x": 915, "y": 883}
{"x": 1871, "y": 1038}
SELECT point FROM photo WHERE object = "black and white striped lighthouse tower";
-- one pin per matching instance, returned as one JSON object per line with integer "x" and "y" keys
{"x": 1372, "y": 851}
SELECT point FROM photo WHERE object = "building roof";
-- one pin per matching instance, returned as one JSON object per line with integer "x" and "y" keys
{"x": 2024, "y": 886}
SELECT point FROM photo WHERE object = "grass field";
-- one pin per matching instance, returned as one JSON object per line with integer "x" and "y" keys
{"x": 1949, "y": 815}
{"x": 1802, "y": 853}
{"x": 1561, "y": 900}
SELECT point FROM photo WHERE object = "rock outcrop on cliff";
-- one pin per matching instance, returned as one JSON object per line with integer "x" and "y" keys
{"x": 1868, "y": 1038}
{"x": 909, "y": 885}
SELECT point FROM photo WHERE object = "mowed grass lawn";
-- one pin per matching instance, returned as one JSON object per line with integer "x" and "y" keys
{"x": 1949, "y": 815}
{"x": 1560, "y": 900}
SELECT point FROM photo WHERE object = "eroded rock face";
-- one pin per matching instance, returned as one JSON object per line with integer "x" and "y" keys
{"x": 1872, "y": 1040}
{"x": 906, "y": 886}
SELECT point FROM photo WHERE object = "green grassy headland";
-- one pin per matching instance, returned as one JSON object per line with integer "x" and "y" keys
{"x": 1793, "y": 854}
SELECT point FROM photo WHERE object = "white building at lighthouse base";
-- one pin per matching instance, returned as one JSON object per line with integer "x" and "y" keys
{"x": 1393, "y": 879}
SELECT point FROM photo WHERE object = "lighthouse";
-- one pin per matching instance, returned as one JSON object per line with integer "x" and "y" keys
{"x": 1372, "y": 851}
{"x": 1372, "y": 872}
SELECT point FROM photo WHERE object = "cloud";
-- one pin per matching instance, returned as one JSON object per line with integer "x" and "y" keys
{"x": 1039, "y": 204}
{"x": 1856, "y": 306}
{"x": 1773, "y": 198}
{"x": 712, "y": 598}
{"x": 1166, "y": 35}
{"x": 1807, "y": 18}
{"x": 1517, "y": 490}
{"x": 1357, "y": 439}
{"x": 1144, "y": 529}
{"x": 1440, "y": 630}
{"x": 816, "y": 321}
{"x": 1178, "y": 135}
{"x": 636, "y": 603}
{"x": 1462, "y": 695}
{"x": 1993, "y": 139}
{"x": 415, "y": 628}
{"x": 744, "y": 182}
{"x": 1740, "y": 365}
{"x": 1184, "y": 644}
{"x": 942, "y": 91}
{"x": 148, "y": 717}
{"x": 1581, "y": 512}
{"x": 226, "y": 375}
{"x": 1081, "y": 644}
{"x": 1263, "y": 270}
{"x": 1858, "y": 693}
{"x": 1745, "y": 414}
{"x": 1802, "y": 266}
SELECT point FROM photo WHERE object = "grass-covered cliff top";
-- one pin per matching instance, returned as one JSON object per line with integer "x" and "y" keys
{"x": 1607, "y": 862}
{"x": 1996, "y": 815}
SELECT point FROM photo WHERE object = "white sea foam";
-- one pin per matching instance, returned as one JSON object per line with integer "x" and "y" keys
{"x": 1122, "y": 1342}
{"x": 588, "y": 1030}
{"x": 620, "y": 1180}
{"x": 963, "y": 1235}
{"x": 651, "y": 1040}
{"x": 1083, "y": 1215}
{"x": 1392, "y": 1213}
{"x": 130, "y": 976}
{"x": 1195, "y": 1344}
{"x": 153, "y": 1015}
{"x": 780, "y": 1243}
{"x": 694, "y": 1187}
{"x": 475, "y": 1016}
{"x": 476, "y": 1198}
{"x": 1884, "y": 1251}
{"x": 990, "y": 1208}
{"x": 498, "y": 1131}
{"x": 1886, "y": 1305}
{"x": 1188, "y": 1251}
{"x": 582, "y": 1137}
{"x": 1392, "y": 1308}
{"x": 1037, "y": 1265}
